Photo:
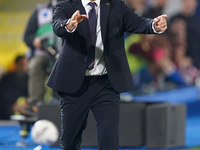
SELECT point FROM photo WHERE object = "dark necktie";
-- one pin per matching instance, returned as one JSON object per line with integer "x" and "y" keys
{"x": 92, "y": 24}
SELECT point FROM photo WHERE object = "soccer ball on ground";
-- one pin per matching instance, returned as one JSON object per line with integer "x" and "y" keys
{"x": 44, "y": 132}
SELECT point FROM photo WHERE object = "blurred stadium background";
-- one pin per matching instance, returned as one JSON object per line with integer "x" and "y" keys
{"x": 14, "y": 15}
{"x": 13, "y": 18}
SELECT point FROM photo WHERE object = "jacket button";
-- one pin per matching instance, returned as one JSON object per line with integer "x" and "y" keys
{"x": 84, "y": 64}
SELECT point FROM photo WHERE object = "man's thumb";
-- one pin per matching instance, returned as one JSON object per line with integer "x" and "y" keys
{"x": 74, "y": 16}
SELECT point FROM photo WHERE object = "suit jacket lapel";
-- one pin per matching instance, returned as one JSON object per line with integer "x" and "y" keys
{"x": 104, "y": 13}
{"x": 84, "y": 25}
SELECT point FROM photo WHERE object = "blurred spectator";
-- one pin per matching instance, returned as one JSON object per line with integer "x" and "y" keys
{"x": 188, "y": 14}
{"x": 44, "y": 47}
{"x": 172, "y": 7}
{"x": 178, "y": 37}
{"x": 12, "y": 86}
{"x": 156, "y": 9}
{"x": 155, "y": 49}
{"x": 161, "y": 60}
{"x": 137, "y": 5}
{"x": 135, "y": 62}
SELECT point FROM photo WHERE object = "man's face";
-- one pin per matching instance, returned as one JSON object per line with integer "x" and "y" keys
{"x": 190, "y": 6}
{"x": 161, "y": 3}
{"x": 135, "y": 4}
{"x": 22, "y": 65}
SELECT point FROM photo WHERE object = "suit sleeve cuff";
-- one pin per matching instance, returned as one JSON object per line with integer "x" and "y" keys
{"x": 155, "y": 30}
{"x": 67, "y": 29}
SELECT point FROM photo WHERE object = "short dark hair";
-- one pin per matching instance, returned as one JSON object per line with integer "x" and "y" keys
{"x": 19, "y": 58}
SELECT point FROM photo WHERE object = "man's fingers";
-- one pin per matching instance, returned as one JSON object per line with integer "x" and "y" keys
{"x": 160, "y": 19}
{"x": 162, "y": 23}
{"x": 84, "y": 16}
{"x": 156, "y": 20}
{"x": 81, "y": 17}
{"x": 75, "y": 15}
{"x": 78, "y": 17}
{"x": 162, "y": 28}
{"x": 164, "y": 16}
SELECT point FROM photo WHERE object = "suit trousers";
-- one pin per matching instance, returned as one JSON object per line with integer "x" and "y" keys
{"x": 98, "y": 95}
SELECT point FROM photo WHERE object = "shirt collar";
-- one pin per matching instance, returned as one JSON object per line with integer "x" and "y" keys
{"x": 85, "y": 2}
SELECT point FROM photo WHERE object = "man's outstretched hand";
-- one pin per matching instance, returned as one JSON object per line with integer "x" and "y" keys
{"x": 160, "y": 23}
{"x": 75, "y": 19}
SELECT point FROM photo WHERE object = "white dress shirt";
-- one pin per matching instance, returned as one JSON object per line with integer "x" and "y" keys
{"x": 99, "y": 67}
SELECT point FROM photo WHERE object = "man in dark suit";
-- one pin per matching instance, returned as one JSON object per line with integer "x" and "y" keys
{"x": 92, "y": 68}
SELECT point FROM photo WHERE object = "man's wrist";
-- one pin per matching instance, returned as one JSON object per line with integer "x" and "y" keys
{"x": 69, "y": 28}
{"x": 153, "y": 27}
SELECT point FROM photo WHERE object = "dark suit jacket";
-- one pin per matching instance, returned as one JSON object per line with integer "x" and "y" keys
{"x": 69, "y": 71}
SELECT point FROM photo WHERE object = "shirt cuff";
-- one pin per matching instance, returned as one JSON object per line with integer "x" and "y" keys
{"x": 155, "y": 30}
{"x": 67, "y": 29}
